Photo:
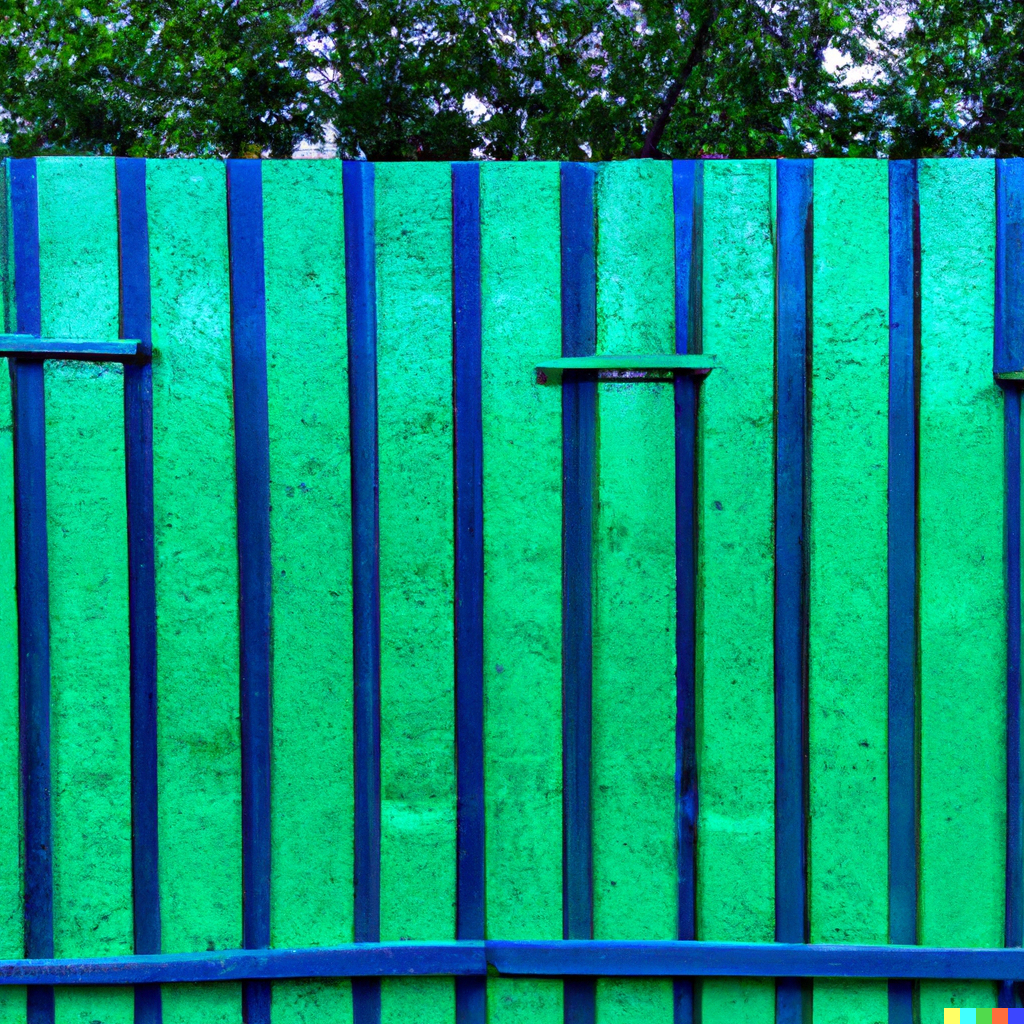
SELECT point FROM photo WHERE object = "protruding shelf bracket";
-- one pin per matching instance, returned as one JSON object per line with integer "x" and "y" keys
{"x": 626, "y": 367}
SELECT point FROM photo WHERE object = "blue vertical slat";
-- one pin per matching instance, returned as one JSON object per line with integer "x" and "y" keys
{"x": 904, "y": 321}
{"x": 1014, "y": 850}
{"x": 794, "y": 184}
{"x": 252, "y": 476}
{"x": 579, "y": 415}
{"x": 361, "y": 285}
{"x": 687, "y": 187}
{"x": 133, "y": 244}
{"x": 470, "y": 993}
{"x": 1009, "y": 357}
{"x": 33, "y": 587}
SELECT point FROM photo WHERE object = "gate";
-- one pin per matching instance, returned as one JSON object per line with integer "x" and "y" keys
{"x": 510, "y": 592}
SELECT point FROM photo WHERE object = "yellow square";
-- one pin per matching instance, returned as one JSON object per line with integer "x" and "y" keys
{"x": 951, "y": 1015}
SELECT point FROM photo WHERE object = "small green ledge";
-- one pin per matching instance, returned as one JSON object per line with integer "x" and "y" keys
{"x": 1011, "y": 375}
{"x": 28, "y": 346}
{"x": 617, "y": 367}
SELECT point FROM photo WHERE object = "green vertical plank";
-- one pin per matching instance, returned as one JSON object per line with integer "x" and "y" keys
{"x": 522, "y": 436}
{"x": 414, "y": 349}
{"x": 962, "y": 594}
{"x": 311, "y": 542}
{"x": 848, "y": 577}
{"x": 12, "y": 999}
{"x": 196, "y": 578}
{"x": 736, "y": 689}
{"x": 90, "y": 706}
{"x": 634, "y": 696}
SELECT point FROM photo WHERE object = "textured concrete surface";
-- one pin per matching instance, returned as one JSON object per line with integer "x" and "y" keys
{"x": 848, "y": 576}
{"x": 963, "y": 609}
{"x": 414, "y": 383}
{"x": 90, "y": 725}
{"x": 634, "y": 759}
{"x": 522, "y": 436}
{"x": 735, "y": 716}
{"x": 311, "y": 545}
{"x": 196, "y": 578}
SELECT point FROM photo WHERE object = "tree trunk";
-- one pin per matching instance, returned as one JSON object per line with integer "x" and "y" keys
{"x": 701, "y": 39}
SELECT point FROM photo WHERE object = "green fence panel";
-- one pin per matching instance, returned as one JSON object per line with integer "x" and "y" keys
{"x": 735, "y": 711}
{"x": 963, "y": 613}
{"x": 89, "y": 700}
{"x": 848, "y": 563}
{"x": 210, "y": 773}
{"x": 196, "y": 577}
{"x": 634, "y": 596}
{"x": 414, "y": 381}
{"x": 522, "y": 466}
{"x": 311, "y": 545}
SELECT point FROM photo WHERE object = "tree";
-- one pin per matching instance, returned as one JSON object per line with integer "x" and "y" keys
{"x": 952, "y": 81}
{"x": 155, "y": 78}
{"x": 512, "y": 79}
{"x": 571, "y": 79}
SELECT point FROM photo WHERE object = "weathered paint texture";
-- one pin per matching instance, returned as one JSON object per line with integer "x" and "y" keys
{"x": 196, "y": 579}
{"x": 522, "y": 434}
{"x": 848, "y": 576}
{"x": 414, "y": 382}
{"x": 735, "y": 713}
{"x": 635, "y": 884}
{"x": 961, "y": 584}
{"x": 86, "y": 519}
{"x": 311, "y": 545}
{"x": 963, "y": 608}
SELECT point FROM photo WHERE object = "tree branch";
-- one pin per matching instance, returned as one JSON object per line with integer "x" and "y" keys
{"x": 701, "y": 39}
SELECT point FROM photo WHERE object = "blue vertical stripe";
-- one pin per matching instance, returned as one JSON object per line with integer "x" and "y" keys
{"x": 361, "y": 286}
{"x": 470, "y": 993}
{"x": 687, "y": 192}
{"x": 904, "y": 334}
{"x": 794, "y": 186}
{"x": 33, "y": 587}
{"x": 579, "y": 416}
{"x": 1009, "y": 356}
{"x": 133, "y": 247}
{"x": 252, "y": 476}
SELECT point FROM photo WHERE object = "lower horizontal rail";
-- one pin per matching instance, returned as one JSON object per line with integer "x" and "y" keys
{"x": 532, "y": 959}
{"x": 356, "y": 960}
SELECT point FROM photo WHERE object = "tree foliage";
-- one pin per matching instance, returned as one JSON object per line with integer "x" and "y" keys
{"x": 145, "y": 78}
{"x": 512, "y": 79}
{"x": 955, "y": 81}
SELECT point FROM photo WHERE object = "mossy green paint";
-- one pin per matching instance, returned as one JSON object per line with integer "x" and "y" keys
{"x": 90, "y": 715}
{"x": 414, "y": 384}
{"x": 848, "y": 576}
{"x": 311, "y": 546}
{"x": 736, "y": 581}
{"x": 962, "y": 592}
{"x": 522, "y": 466}
{"x": 196, "y": 578}
{"x": 634, "y": 703}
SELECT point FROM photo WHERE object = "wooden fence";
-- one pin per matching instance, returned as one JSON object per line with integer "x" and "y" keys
{"x": 591, "y": 592}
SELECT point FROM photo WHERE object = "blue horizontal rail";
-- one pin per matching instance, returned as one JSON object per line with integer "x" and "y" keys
{"x": 567, "y": 957}
{"x": 355, "y": 960}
